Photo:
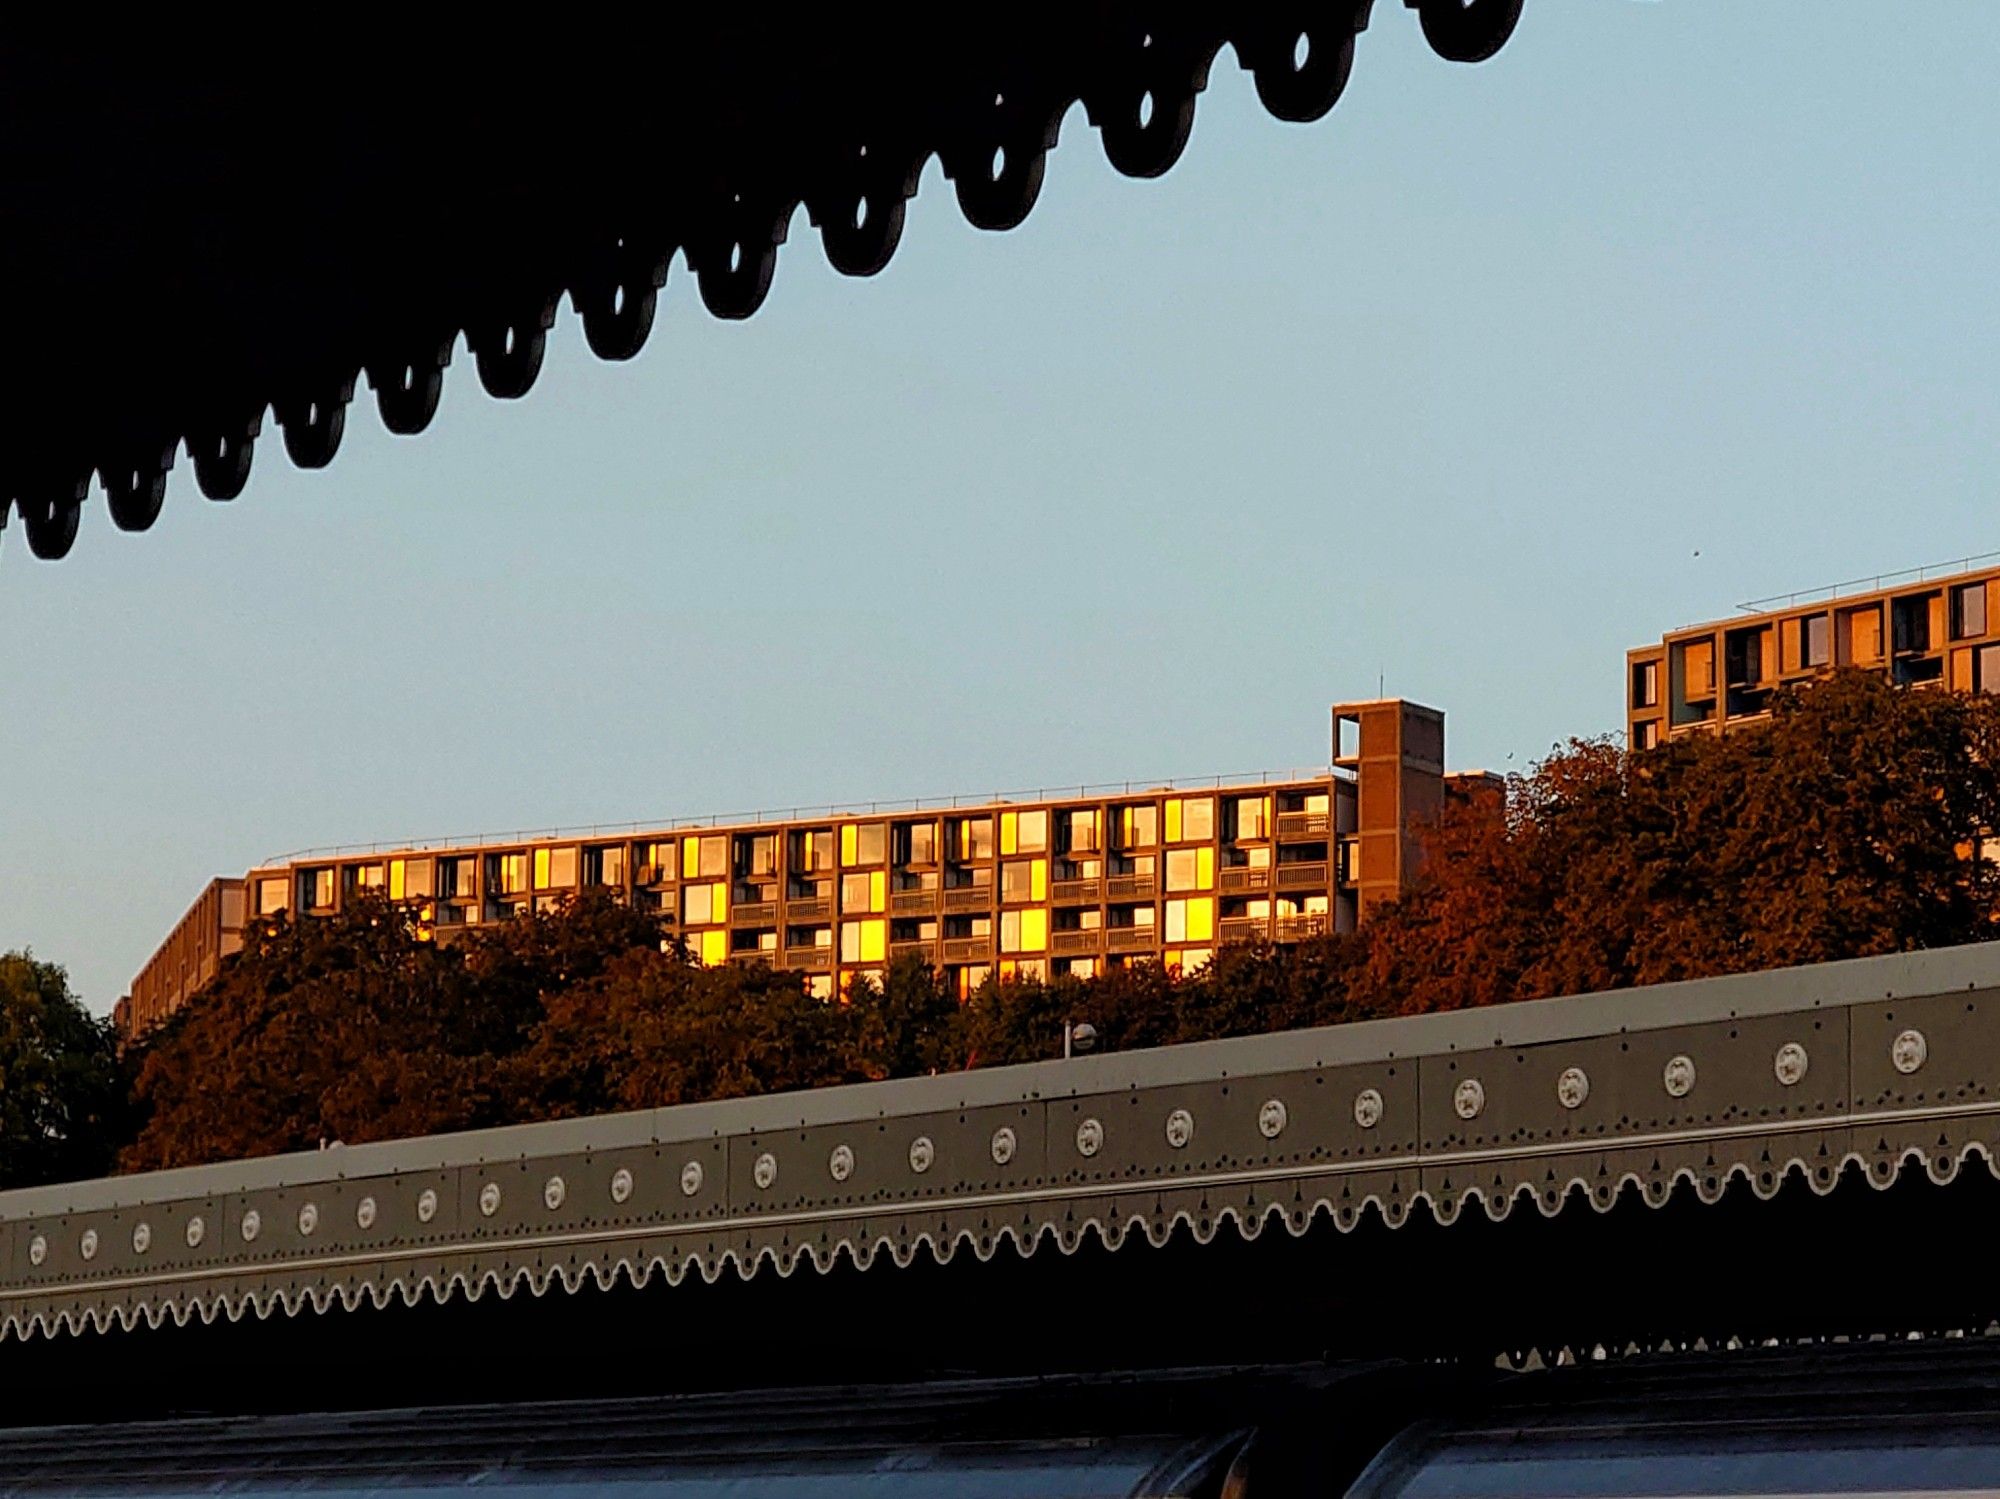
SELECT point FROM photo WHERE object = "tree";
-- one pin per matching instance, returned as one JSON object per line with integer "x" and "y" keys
{"x": 64, "y": 1105}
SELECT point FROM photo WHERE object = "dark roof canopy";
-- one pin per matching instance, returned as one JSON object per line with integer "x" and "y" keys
{"x": 214, "y": 228}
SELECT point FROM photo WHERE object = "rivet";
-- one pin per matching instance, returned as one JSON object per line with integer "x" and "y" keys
{"x": 1368, "y": 1108}
{"x": 1573, "y": 1087}
{"x": 1272, "y": 1118}
{"x": 1089, "y": 1137}
{"x": 554, "y": 1190}
{"x": 489, "y": 1199}
{"x": 922, "y": 1154}
{"x": 1791, "y": 1063}
{"x": 1004, "y": 1145}
{"x": 195, "y": 1230}
{"x": 142, "y": 1237}
{"x": 252, "y": 1225}
{"x": 88, "y": 1248}
{"x": 840, "y": 1165}
{"x": 308, "y": 1219}
{"x": 38, "y": 1250}
{"x": 690, "y": 1178}
{"x": 1909, "y": 1051}
{"x": 1180, "y": 1128}
{"x": 1678, "y": 1077}
{"x": 621, "y": 1184}
{"x": 427, "y": 1205}
{"x": 765, "y": 1171}
{"x": 364, "y": 1213}
{"x": 1469, "y": 1098}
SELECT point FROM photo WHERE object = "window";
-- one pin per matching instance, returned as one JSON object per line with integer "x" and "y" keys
{"x": 865, "y": 891}
{"x": 1079, "y": 832}
{"x": 710, "y": 949}
{"x": 1138, "y": 827}
{"x": 604, "y": 865}
{"x": 1189, "y": 960}
{"x": 704, "y": 858}
{"x": 272, "y": 897}
{"x": 555, "y": 868}
{"x": 410, "y": 879}
{"x": 864, "y": 843}
{"x": 1646, "y": 735}
{"x": 1024, "y": 832}
{"x": 506, "y": 874}
{"x": 1250, "y": 817}
{"x": 811, "y": 850}
{"x": 1968, "y": 611}
{"x": 1024, "y": 931}
{"x": 863, "y": 941}
{"x": 1190, "y": 819}
{"x": 971, "y": 838}
{"x": 1024, "y": 879}
{"x": 1191, "y": 869}
{"x": 756, "y": 856}
{"x": 1698, "y": 668}
{"x": 1986, "y": 669}
{"x": 1816, "y": 640}
{"x": 1646, "y": 684}
{"x": 915, "y": 843}
{"x": 656, "y": 861}
{"x": 820, "y": 986}
{"x": 704, "y": 904}
{"x": 315, "y": 889}
{"x": 1191, "y": 920}
{"x": 365, "y": 877}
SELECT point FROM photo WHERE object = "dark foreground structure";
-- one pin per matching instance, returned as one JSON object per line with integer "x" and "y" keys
{"x": 246, "y": 224}
{"x": 1680, "y": 1239}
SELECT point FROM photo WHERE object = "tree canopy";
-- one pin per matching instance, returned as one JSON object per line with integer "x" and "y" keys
{"x": 1854, "y": 822}
{"x": 63, "y": 1095}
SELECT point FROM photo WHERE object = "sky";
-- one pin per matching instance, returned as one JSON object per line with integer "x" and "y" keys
{"x": 1456, "y": 394}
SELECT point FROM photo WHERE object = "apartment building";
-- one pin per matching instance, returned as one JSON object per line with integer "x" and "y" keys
{"x": 1919, "y": 629}
{"x": 210, "y": 931}
{"x": 1030, "y": 887}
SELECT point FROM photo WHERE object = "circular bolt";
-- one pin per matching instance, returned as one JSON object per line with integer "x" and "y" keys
{"x": 253, "y": 1224}
{"x": 88, "y": 1248}
{"x": 1678, "y": 1077}
{"x": 1089, "y": 1138}
{"x": 1004, "y": 1145}
{"x": 364, "y": 1213}
{"x": 922, "y": 1153}
{"x": 1790, "y": 1064}
{"x": 690, "y": 1178}
{"x": 142, "y": 1237}
{"x": 308, "y": 1220}
{"x": 765, "y": 1171}
{"x": 38, "y": 1250}
{"x": 1469, "y": 1098}
{"x": 427, "y": 1205}
{"x": 554, "y": 1190}
{"x": 489, "y": 1199}
{"x": 1272, "y": 1118}
{"x": 840, "y": 1165}
{"x": 621, "y": 1184}
{"x": 1180, "y": 1128}
{"x": 1573, "y": 1087}
{"x": 195, "y": 1231}
{"x": 1909, "y": 1051}
{"x": 1368, "y": 1108}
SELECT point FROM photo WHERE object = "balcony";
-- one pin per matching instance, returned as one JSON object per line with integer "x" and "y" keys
{"x": 1303, "y": 876}
{"x": 1299, "y": 928}
{"x": 808, "y": 909}
{"x": 755, "y": 913}
{"x": 1129, "y": 887}
{"x": 1076, "y": 892}
{"x": 913, "y": 903}
{"x": 1131, "y": 938}
{"x": 1243, "y": 878}
{"x": 809, "y": 959}
{"x": 927, "y": 950}
{"x": 969, "y": 898}
{"x": 1063, "y": 944}
{"x": 967, "y": 949}
{"x": 1304, "y": 824}
{"x": 1242, "y": 928}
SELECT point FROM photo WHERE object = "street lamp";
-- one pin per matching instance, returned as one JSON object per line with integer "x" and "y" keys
{"x": 1078, "y": 1036}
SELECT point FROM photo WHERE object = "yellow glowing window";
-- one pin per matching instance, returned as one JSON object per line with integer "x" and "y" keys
{"x": 1008, "y": 968}
{"x": 863, "y": 941}
{"x": 1173, "y": 819}
{"x": 878, "y": 891}
{"x": 1191, "y": 920}
{"x": 396, "y": 875}
{"x": 541, "y": 869}
{"x": 513, "y": 873}
{"x": 1010, "y": 833}
{"x": 702, "y": 904}
{"x": 1031, "y": 833}
{"x": 1205, "y": 868}
{"x": 1024, "y": 931}
{"x": 714, "y": 948}
{"x": 690, "y": 858}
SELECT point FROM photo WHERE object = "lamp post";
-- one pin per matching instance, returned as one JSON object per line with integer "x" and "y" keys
{"x": 1078, "y": 1036}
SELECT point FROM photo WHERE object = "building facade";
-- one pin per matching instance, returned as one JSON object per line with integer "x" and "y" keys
{"x": 210, "y": 931}
{"x": 1941, "y": 631}
{"x": 1029, "y": 887}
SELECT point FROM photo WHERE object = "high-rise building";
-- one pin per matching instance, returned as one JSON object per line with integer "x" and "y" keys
{"x": 1072, "y": 881}
{"x": 1918, "y": 629}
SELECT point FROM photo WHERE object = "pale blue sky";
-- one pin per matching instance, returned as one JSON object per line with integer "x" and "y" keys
{"x": 1446, "y": 390}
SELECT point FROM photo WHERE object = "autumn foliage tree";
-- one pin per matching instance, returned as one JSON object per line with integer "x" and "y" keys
{"x": 1853, "y": 822}
{"x": 63, "y": 1093}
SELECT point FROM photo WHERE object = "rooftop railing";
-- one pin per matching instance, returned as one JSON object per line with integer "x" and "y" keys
{"x": 1876, "y": 584}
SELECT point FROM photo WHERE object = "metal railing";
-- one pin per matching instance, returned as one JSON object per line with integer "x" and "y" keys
{"x": 1829, "y": 592}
